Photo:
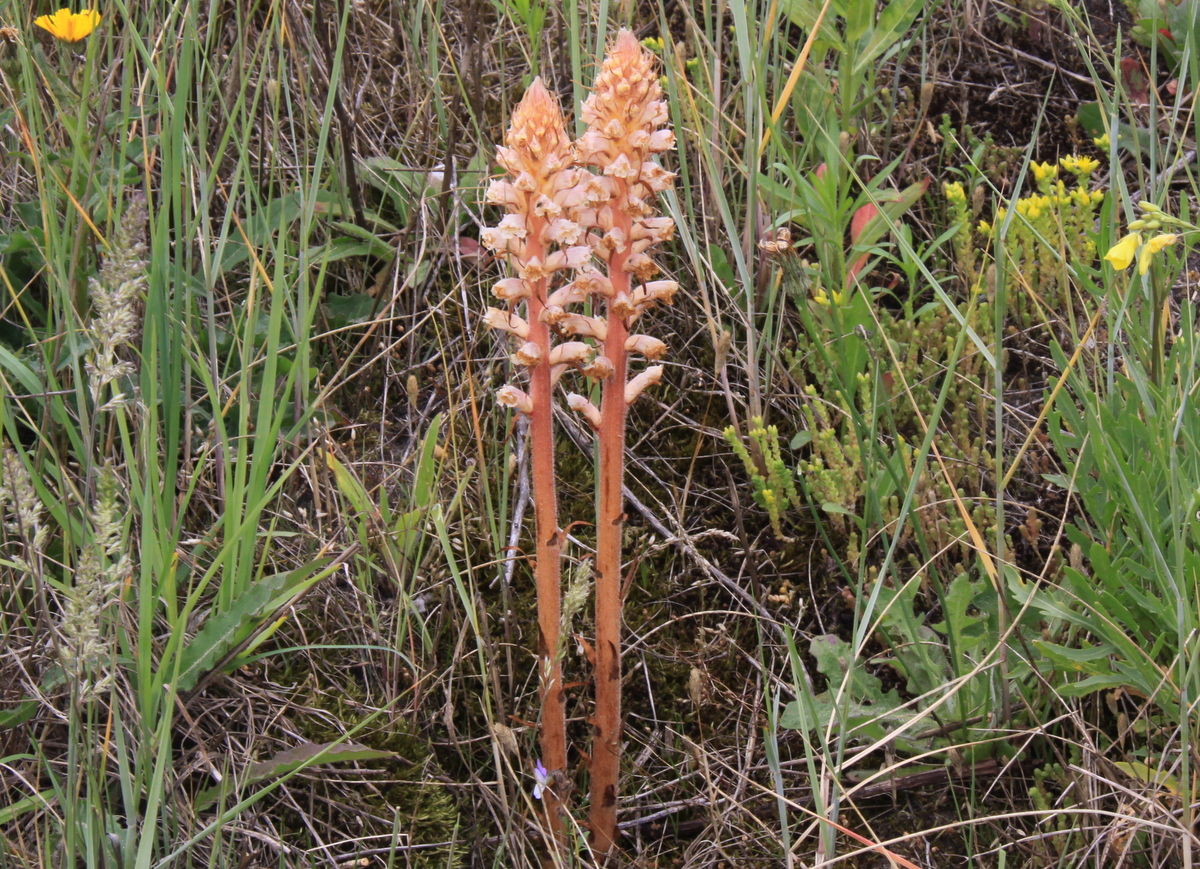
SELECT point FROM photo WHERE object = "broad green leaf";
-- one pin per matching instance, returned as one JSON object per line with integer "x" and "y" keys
{"x": 222, "y": 632}
{"x": 19, "y": 714}
{"x": 1148, "y": 775}
{"x": 305, "y": 755}
{"x": 895, "y": 20}
{"x": 14, "y": 810}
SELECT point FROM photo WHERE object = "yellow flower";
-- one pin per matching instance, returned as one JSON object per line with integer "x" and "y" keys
{"x": 1043, "y": 171}
{"x": 1153, "y": 246}
{"x": 1157, "y": 243}
{"x": 823, "y": 299}
{"x": 1121, "y": 253}
{"x": 1102, "y": 142}
{"x": 954, "y": 191}
{"x": 69, "y": 26}
{"x": 1080, "y": 165}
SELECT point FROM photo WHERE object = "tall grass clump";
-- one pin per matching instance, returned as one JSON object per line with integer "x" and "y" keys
{"x": 143, "y": 467}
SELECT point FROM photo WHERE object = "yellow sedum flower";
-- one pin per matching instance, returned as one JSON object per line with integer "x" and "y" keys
{"x": 1080, "y": 165}
{"x": 69, "y": 26}
{"x": 1044, "y": 171}
{"x": 954, "y": 191}
{"x": 1121, "y": 253}
{"x": 1102, "y": 142}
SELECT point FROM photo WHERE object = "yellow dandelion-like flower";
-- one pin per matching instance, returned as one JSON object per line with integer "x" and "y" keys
{"x": 69, "y": 26}
{"x": 1121, "y": 253}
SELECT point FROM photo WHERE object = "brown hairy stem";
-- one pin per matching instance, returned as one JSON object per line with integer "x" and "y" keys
{"x": 624, "y": 115}
{"x": 563, "y": 216}
{"x": 537, "y": 238}
{"x": 606, "y": 751}
{"x": 548, "y": 569}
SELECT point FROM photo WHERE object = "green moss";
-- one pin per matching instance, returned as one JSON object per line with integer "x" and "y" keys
{"x": 410, "y": 792}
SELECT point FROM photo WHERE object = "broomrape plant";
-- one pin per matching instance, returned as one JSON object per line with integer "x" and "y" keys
{"x": 597, "y": 227}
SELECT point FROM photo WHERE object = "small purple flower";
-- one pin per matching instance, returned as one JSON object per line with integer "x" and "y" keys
{"x": 541, "y": 780}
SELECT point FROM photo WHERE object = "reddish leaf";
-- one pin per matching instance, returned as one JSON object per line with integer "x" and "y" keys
{"x": 860, "y": 220}
{"x": 1136, "y": 83}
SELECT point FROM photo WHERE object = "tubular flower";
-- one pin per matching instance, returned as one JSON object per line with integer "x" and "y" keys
{"x": 579, "y": 404}
{"x": 529, "y": 354}
{"x": 571, "y": 353}
{"x": 511, "y": 290}
{"x": 1121, "y": 254}
{"x": 578, "y": 324}
{"x": 634, "y": 387}
{"x": 506, "y": 322}
{"x": 1153, "y": 246}
{"x": 69, "y": 26}
{"x": 647, "y": 346}
{"x": 510, "y": 396}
